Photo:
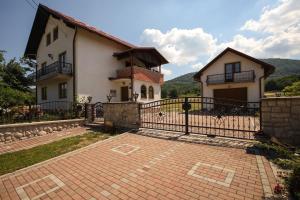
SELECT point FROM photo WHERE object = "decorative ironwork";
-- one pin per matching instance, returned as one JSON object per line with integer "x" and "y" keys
{"x": 52, "y": 110}
{"x": 203, "y": 115}
{"x": 99, "y": 112}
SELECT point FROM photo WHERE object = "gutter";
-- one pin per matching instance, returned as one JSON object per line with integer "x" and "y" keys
{"x": 74, "y": 62}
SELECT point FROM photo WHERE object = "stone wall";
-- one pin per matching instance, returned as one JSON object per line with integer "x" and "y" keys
{"x": 281, "y": 119}
{"x": 14, "y": 132}
{"x": 122, "y": 114}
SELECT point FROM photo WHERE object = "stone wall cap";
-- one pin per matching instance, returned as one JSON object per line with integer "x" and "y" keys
{"x": 39, "y": 123}
{"x": 122, "y": 102}
{"x": 275, "y": 98}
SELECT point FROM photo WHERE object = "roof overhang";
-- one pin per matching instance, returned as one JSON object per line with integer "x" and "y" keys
{"x": 268, "y": 69}
{"x": 148, "y": 55}
{"x": 40, "y": 21}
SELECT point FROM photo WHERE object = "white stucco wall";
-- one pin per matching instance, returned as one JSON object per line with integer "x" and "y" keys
{"x": 137, "y": 88}
{"x": 219, "y": 68}
{"x": 95, "y": 64}
{"x": 64, "y": 43}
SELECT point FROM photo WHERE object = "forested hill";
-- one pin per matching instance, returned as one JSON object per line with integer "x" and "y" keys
{"x": 284, "y": 67}
{"x": 185, "y": 84}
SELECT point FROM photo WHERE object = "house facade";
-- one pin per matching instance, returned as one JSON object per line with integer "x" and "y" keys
{"x": 75, "y": 61}
{"x": 234, "y": 75}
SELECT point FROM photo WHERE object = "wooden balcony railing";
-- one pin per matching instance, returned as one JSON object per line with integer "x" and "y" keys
{"x": 140, "y": 73}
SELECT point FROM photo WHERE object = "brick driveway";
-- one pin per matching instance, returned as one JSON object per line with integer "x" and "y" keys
{"x": 131, "y": 166}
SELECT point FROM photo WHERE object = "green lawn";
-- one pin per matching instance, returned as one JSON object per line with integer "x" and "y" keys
{"x": 10, "y": 162}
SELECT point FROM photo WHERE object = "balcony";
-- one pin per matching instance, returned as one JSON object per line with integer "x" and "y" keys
{"x": 139, "y": 73}
{"x": 241, "y": 77}
{"x": 56, "y": 70}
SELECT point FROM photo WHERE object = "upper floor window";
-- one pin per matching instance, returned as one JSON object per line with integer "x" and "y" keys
{"x": 230, "y": 69}
{"x": 55, "y": 33}
{"x": 62, "y": 88}
{"x": 48, "y": 39}
{"x": 143, "y": 92}
{"x": 44, "y": 93}
{"x": 151, "y": 92}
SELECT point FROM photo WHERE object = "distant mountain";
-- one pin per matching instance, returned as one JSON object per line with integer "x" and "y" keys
{"x": 284, "y": 67}
{"x": 185, "y": 84}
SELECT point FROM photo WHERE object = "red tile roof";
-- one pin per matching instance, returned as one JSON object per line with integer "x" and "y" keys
{"x": 80, "y": 24}
{"x": 39, "y": 26}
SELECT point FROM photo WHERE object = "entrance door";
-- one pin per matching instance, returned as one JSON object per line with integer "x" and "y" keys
{"x": 124, "y": 93}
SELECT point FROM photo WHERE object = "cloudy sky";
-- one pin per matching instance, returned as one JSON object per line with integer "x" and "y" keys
{"x": 188, "y": 33}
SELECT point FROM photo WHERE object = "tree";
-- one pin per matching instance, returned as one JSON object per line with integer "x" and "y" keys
{"x": 173, "y": 93}
{"x": 14, "y": 83}
{"x": 292, "y": 90}
{"x": 164, "y": 93}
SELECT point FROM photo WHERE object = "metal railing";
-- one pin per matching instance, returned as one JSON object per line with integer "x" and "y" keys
{"x": 56, "y": 67}
{"x": 52, "y": 110}
{"x": 244, "y": 76}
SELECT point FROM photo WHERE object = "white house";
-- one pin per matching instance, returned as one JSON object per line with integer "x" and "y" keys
{"x": 234, "y": 75}
{"x": 75, "y": 60}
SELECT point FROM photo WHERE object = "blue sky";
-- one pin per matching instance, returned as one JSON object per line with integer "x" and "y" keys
{"x": 189, "y": 33}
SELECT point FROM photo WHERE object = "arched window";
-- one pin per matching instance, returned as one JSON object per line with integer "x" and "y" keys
{"x": 143, "y": 92}
{"x": 151, "y": 92}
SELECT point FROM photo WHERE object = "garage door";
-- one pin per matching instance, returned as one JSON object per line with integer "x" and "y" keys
{"x": 239, "y": 94}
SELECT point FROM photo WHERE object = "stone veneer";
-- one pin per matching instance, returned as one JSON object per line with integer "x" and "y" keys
{"x": 14, "y": 132}
{"x": 281, "y": 119}
{"x": 122, "y": 114}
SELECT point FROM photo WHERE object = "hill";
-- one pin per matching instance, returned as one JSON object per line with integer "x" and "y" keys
{"x": 185, "y": 84}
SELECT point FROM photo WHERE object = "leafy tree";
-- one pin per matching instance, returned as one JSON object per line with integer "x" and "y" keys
{"x": 278, "y": 84}
{"x": 14, "y": 83}
{"x": 164, "y": 93}
{"x": 293, "y": 89}
{"x": 173, "y": 93}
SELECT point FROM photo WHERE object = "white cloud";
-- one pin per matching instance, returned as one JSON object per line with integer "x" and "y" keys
{"x": 278, "y": 35}
{"x": 277, "y": 19}
{"x": 180, "y": 46}
{"x": 166, "y": 72}
{"x": 197, "y": 66}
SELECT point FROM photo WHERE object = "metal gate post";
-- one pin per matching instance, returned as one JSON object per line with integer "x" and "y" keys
{"x": 186, "y": 113}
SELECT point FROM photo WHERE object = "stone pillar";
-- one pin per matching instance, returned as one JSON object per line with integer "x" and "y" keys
{"x": 122, "y": 114}
{"x": 281, "y": 119}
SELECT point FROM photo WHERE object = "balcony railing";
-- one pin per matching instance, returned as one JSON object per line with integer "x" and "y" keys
{"x": 240, "y": 77}
{"x": 52, "y": 69}
{"x": 140, "y": 73}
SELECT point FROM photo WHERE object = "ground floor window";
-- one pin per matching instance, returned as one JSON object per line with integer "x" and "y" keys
{"x": 44, "y": 93}
{"x": 151, "y": 92}
{"x": 62, "y": 88}
{"x": 143, "y": 92}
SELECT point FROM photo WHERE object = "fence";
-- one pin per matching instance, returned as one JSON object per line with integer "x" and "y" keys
{"x": 54, "y": 110}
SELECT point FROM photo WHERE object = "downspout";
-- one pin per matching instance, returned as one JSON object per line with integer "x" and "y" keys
{"x": 74, "y": 75}
{"x": 36, "y": 90}
{"x": 131, "y": 63}
{"x": 260, "y": 95}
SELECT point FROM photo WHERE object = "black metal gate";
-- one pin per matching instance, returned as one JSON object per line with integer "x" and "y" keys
{"x": 203, "y": 115}
{"x": 98, "y": 111}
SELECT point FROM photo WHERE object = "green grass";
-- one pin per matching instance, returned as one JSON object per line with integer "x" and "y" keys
{"x": 10, "y": 162}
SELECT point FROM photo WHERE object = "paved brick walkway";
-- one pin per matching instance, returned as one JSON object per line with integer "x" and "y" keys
{"x": 131, "y": 166}
{"x": 39, "y": 140}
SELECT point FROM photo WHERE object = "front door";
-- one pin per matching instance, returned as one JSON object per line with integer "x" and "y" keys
{"x": 124, "y": 93}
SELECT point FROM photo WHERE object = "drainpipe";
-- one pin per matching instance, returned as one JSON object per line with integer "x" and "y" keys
{"x": 260, "y": 82}
{"x": 74, "y": 76}
{"x": 36, "y": 90}
{"x": 131, "y": 77}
